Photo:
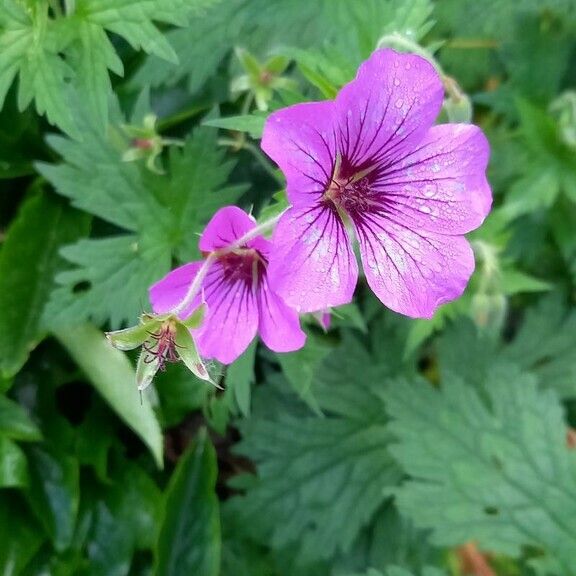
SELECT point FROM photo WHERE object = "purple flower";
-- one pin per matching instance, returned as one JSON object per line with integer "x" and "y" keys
{"x": 372, "y": 162}
{"x": 236, "y": 290}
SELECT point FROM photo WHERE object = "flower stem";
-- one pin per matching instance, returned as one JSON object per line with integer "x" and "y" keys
{"x": 196, "y": 285}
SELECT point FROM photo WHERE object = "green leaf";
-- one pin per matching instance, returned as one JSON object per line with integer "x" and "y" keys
{"x": 164, "y": 214}
{"x": 240, "y": 378}
{"x": 314, "y": 472}
{"x": 120, "y": 265}
{"x": 13, "y": 465}
{"x": 64, "y": 60}
{"x": 516, "y": 281}
{"x": 398, "y": 571}
{"x": 113, "y": 376}
{"x": 189, "y": 538}
{"x": 545, "y": 345}
{"x": 124, "y": 515}
{"x": 253, "y": 124}
{"x": 493, "y": 469}
{"x": 54, "y": 493}
{"x": 15, "y": 423}
{"x": 27, "y": 48}
{"x": 20, "y": 535}
{"x": 300, "y": 367}
{"x": 43, "y": 225}
{"x": 264, "y": 28}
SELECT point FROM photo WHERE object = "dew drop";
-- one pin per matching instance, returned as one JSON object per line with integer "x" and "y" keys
{"x": 396, "y": 82}
{"x": 399, "y": 103}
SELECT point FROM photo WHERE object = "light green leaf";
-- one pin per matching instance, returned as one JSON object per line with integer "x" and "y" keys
{"x": 253, "y": 124}
{"x": 189, "y": 538}
{"x": 493, "y": 469}
{"x": 13, "y": 465}
{"x": 113, "y": 376}
{"x": 516, "y": 281}
{"x": 28, "y": 261}
{"x": 15, "y": 423}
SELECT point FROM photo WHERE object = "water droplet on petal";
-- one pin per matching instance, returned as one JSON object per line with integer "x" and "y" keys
{"x": 399, "y": 103}
{"x": 396, "y": 82}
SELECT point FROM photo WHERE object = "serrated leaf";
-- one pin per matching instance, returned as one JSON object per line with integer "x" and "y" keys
{"x": 113, "y": 376}
{"x": 164, "y": 212}
{"x": 494, "y": 470}
{"x": 545, "y": 345}
{"x": 189, "y": 537}
{"x": 43, "y": 225}
{"x": 64, "y": 59}
{"x": 300, "y": 367}
{"x": 265, "y": 28}
{"x": 313, "y": 472}
{"x": 113, "y": 265}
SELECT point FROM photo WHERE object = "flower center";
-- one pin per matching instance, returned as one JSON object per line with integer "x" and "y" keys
{"x": 243, "y": 265}
{"x": 350, "y": 190}
{"x": 163, "y": 346}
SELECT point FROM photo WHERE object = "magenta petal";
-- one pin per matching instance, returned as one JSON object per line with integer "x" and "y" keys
{"x": 231, "y": 319}
{"x": 300, "y": 139}
{"x": 312, "y": 265}
{"x": 279, "y": 325}
{"x": 389, "y": 106}
{"x": 167, "y": 293}
{"x": 413, "y": 273}
{"x": 225, "y": 227}
{"x": 441, "y": 186}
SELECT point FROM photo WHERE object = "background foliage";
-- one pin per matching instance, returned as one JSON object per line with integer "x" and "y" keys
{"x": 386, "y": 447}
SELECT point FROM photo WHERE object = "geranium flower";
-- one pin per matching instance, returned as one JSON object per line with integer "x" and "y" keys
{"x": 236, "y": 291}
{"x": 371, "y": 162}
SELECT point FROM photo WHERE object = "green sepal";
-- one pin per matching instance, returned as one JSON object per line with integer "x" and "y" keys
{"x": 132, "y": 337}
{"x": 145, "y": 371}
{"x": 188, "y": 353}
{"x": 249, "y": 63}
{"x": 196, "y": 319}
{"x": 277, "y": 64}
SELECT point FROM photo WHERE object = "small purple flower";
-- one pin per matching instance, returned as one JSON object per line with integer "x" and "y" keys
{"x": 372, "y": 162}
{"x": 236, "y": 291}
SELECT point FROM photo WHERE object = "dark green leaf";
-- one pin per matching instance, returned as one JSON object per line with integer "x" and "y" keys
{"x": 189, "y": 539}
{"x": 20, "y": 535}
{"x": 496, "y": 471}
{"x": 54, "y": 493}
{"x": 113, "y": 376}
{"x": 28, "y": 260}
